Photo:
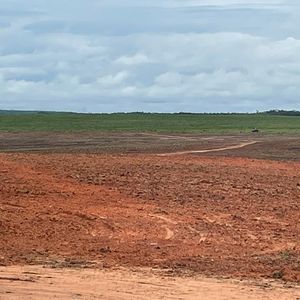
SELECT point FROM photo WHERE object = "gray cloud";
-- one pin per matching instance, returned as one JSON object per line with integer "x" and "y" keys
{"x": 229, "y": 55}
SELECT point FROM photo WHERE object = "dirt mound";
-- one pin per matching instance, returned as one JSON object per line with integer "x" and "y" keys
{"x": 216, "y": 216}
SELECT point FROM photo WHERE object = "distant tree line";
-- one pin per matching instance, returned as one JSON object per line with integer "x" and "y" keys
{"x": 269, "y": 112}
{"x": 279, "y": 112}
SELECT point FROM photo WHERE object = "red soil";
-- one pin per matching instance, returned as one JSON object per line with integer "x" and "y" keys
{"x": 216, "y": 216}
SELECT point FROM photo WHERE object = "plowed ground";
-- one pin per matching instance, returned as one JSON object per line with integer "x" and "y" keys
{"x": 234, "y": 217}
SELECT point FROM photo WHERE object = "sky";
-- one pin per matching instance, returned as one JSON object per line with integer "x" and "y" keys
{"x": 150, "y": 55}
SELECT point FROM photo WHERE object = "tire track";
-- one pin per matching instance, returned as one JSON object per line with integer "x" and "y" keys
{"x": 210, "y": 150}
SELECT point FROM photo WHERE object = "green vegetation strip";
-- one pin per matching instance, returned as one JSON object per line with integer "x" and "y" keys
{"x": 146, "y": 122}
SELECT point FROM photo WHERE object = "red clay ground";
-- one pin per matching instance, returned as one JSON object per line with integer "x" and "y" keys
{"x": 217, "y": 216}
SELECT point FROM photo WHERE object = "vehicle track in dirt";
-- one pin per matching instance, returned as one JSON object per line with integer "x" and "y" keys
{"x": 239, "y": 146}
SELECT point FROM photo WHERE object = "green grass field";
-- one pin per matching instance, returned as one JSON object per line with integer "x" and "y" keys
{"x": 139, "y": 122}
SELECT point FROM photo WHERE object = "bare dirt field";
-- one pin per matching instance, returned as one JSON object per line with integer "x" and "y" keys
{"x": 277, "y": 147}
{"x": 230, "y": 213}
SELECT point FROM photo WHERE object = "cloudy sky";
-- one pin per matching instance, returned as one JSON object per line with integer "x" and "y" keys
{"x": 150, "y": 55}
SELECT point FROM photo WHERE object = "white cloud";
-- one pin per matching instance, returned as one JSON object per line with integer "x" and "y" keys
{"x": 110, "y": 81}
{"x": 191, "y": 3}
{"x": 136, "y": 59}
{"x": 53, "y": 59}
{"x": 168, "y": 79}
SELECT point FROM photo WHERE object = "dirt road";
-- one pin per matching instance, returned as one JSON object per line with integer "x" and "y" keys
{"x": 33, "y": 282}
{"x": 239, "y": 146}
